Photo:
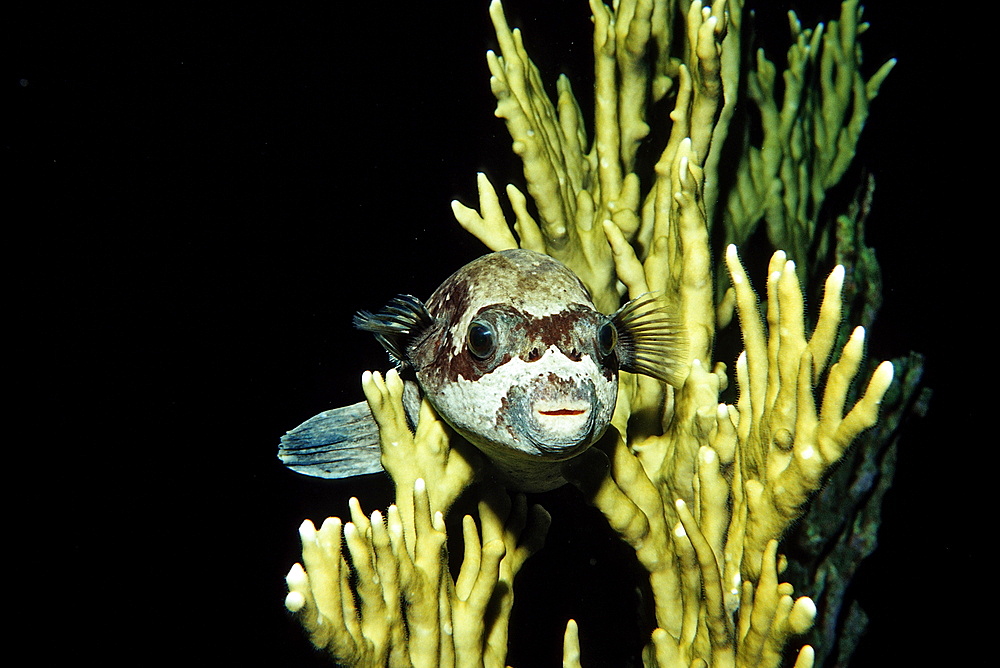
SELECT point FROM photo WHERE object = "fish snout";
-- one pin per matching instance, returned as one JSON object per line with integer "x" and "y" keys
{"x": 536, "y": 350}
{"x": 558, "y": 416}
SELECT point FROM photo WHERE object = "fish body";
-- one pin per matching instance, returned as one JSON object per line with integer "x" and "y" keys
{"x": 512, "y": 354}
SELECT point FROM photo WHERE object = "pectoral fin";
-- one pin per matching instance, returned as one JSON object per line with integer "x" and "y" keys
{"x": 404, "y": 317}
{"x": 651, "y": 340}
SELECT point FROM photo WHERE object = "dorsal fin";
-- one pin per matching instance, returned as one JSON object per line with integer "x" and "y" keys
{"x": 394, "y": 326}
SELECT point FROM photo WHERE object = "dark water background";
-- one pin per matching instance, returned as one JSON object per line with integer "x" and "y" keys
{"x": 198, "y": 199}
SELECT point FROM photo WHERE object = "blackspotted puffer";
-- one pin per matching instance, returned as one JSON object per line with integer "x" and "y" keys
{"x": 512, "y": 354}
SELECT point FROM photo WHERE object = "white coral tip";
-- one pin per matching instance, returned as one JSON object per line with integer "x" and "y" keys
{"x": 806, "y": 658}
{"x": 296, "y": 576}
{"x": 294, "y": 601}
{"x": 802, "y": 614}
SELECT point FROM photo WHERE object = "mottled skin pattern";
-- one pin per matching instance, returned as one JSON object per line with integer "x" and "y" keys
{"x": 545, "y": 392}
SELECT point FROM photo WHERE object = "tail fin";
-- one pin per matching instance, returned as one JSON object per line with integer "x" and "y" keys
{"x": 341, "y": 442}
{"x": 338, "y": 443}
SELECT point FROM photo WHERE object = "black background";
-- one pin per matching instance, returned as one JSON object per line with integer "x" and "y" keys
{"x": 201, "y": 196}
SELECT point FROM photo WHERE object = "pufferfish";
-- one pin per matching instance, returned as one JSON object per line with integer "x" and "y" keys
{"x": 512, "y": 354}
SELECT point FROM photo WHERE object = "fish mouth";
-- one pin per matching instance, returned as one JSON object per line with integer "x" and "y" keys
{"x": 561, "y": 412}
{"x": 558, "y": 426}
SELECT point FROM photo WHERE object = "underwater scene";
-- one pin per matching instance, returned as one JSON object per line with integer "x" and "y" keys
{"x": 494, "y": 334}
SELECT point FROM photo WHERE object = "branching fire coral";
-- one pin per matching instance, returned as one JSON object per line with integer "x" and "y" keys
{"x": 403, "y": 607}
{"x": 701, "y": 489}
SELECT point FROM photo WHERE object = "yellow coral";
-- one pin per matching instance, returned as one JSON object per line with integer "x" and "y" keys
{"x": 701, "y": 490}
{"x": 405, "y": 609}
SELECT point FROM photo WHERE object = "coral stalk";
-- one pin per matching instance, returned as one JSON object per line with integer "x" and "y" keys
{"x": 701, "y": 485}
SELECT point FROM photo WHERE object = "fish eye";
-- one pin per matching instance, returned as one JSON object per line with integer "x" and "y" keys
{"x": 607, "y": 338}
{"x": 481, "y": 341}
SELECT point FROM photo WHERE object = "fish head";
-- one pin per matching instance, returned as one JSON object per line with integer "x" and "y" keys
{"x": 515, "y": 364}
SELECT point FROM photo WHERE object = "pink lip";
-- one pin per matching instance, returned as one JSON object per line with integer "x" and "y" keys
{"x": 563, "y": 411}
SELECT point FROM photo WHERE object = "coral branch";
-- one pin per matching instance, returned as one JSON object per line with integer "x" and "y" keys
{"x": 448, "y": 464}
{"x": 702, "y": 490}
{"x": 397, "y": 604}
